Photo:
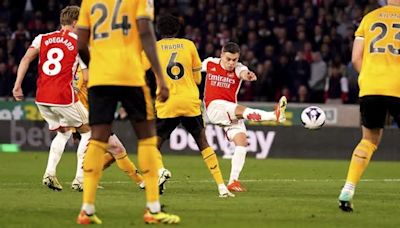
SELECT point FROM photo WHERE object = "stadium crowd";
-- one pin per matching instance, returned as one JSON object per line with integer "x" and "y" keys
{"x": 300, "y": 49}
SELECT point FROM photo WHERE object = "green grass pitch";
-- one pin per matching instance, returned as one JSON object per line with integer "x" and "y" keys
{"x": 282, "y": 193}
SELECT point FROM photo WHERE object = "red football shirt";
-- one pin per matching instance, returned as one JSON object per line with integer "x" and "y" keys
{"x": 58, "y": 59}
{"x": 220, "y": 83}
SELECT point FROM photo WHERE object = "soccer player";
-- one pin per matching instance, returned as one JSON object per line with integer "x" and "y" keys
{"x": 376, "y": 56}
{"x": 117, "y": 32}
{"x": 223, "y": 79}
{"x": 55, "y": 97}
{"x": 115, "y": 151}
{"x": 182, "y": 65}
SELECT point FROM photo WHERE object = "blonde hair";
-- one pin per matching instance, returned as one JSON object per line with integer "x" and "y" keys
{"x": 69, "y": 14}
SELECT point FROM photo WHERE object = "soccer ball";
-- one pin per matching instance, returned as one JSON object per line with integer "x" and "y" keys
{"x": 313, "y": 117}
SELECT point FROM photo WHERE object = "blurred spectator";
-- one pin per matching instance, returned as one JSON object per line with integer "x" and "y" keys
{"x": 6, "y": 81}
{"x": 302, "y": 94}
{"x": 18, "y": 39}
{"x": 316, "y": 83}
{"x": 271, "y": 35}
{"x": 264, "y": 89}
{"x": 336, "y": 86}
{"x": 301, "y": 71}
{"x": 352, "y": 76}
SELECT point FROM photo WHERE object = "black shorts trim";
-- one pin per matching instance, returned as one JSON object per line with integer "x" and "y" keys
{"x": 194, "y": 125}
{"x": 374, "y": 110}
{"x": 103, "y": 101}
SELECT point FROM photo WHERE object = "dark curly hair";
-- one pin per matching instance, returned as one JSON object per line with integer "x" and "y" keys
{"x": 168, "y": 26}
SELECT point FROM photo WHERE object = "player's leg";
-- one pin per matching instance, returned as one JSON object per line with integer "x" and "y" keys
{"x": 108, "y": 160}
{"x": 93, "y": 165}
{"x": 237, "y": 134}
{"x": 164, "y": 129}
{"x": 150, "y": 162}
{"x": 195, "y": 126}
{"x": 373, "y": 114}
{"x": 102, "y": 105}
{"x": 226, "y": 113}
{"x": 85, "y": 133}
{"x": 117, "y": 150}
{"x": 359, "y": 161}
{"x": 76, "y": 116}
{"x": 243, "y": 112}
{"x": 141, "y": 114}
{"x": 223, "y": 113}
{"x": 56, "y": 148}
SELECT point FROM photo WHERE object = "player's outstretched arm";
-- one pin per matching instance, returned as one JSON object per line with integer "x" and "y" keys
{"x": 248, "y": 75}
{"x": 29, "y": 56}
{"x": 148, "y": 40}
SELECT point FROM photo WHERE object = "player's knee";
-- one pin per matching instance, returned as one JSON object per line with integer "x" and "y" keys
{"x": 65, "y": 133}
{"x": 84, "y": 128}
{"x": 370, "y": 144}
{"x": 201, "y": 141}
{"x": 64, "y": 130}
{"x": 240, "y": 138}
{"x": 116, "y": 150}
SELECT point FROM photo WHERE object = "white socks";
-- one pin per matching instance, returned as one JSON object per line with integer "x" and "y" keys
{"x": 222, "y": 189}
{"x": 80, "y": 154}
{"x": 349, "y": 187}
{"x": 258, "y": 115}
{"x": 56, "y": 150}
{"x": 237, "y": 162}
{"x": 154, "y": 207}
{"x": 88, "y": 208}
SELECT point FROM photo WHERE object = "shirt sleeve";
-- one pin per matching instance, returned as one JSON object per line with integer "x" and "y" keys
{"x": 36, "y": 42}
{"x": 145, "y": 9}
{"x": 360, "y": 30}
{"x": 84, "y": 15}
{"x": 239, "y": 68}
{"x": 206, "y": 61}
{"x": 204, "y": 64}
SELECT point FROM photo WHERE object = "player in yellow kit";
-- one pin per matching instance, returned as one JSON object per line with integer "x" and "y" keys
{"x": 116, "y": 150}
{"x": 376, "y": 55}
{"x": 117, "y": 31}
{"x": 181, "y": 64}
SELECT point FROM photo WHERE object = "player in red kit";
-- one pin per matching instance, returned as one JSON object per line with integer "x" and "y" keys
{"x": 223, "y": 80}
{"x": 55, "y": 96}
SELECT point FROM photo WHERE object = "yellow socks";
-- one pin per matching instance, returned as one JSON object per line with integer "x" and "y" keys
{"x": 210, "y": 158}
{"x": 150, "y": 161}
{"x": 108, "y": 160}
{"x": 361, "y": 156}
{"x": 92, "y": 168}
{"x": 126, "y": 165}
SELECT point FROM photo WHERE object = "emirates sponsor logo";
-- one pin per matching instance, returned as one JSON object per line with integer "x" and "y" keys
{"x": 220, "y": 81}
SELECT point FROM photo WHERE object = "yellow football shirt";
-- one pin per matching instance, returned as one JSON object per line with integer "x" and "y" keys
{"x": 380, "y": 68}
{"x": 81, "y": 88}
{"x": 181, "y": 66}
{"x": 115, "y": 47}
